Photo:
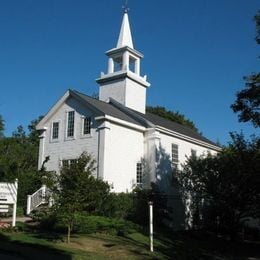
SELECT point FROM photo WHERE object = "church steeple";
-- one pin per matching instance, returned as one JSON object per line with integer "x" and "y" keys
{"x": 125, "y": 36}
{"x": 122, "y": 81}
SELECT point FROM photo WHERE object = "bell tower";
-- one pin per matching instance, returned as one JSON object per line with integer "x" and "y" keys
{"x": 123, "y": 81}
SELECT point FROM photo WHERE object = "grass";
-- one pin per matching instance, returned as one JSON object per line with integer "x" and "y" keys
{"x": 26, "y": 243}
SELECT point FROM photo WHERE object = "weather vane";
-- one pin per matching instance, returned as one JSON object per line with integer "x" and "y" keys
{"x": 125, "y": 7}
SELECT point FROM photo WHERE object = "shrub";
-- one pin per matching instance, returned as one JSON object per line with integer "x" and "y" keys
{"x": 95, "y": 224}
{"x": 117, "y": 205}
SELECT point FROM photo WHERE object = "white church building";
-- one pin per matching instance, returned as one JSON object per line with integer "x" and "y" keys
{"x": 131, "y": 147}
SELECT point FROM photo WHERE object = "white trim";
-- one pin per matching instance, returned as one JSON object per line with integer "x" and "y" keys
{"x": 187, "y": 138}
{"x": 121, "y": 122}
{"x": 52, "y": 111}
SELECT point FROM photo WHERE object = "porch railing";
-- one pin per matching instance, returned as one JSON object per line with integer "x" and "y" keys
{"x": 41, "y": 196}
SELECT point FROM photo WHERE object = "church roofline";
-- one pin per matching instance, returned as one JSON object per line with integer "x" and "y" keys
{"x": 123, "y": 74}
{"x": 115, "y": 51}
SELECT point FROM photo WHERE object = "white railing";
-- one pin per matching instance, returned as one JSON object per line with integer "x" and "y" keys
{"x": 38, "y": 198}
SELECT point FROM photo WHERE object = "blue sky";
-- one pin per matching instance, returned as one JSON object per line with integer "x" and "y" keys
{"x": 196, "y": 54}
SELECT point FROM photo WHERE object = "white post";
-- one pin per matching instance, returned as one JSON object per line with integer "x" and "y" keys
{"x": 110, "y": 65}
{"x": 28, "y": 208}
{"x": 43, "y": 193}
{"x": 125, "y": 65}
{"x": 15, "y": 203}
{"x": 150, "y": 203}
{"x": 137, "y": 67}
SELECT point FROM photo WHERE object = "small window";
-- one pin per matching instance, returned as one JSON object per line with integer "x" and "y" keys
{"x": 65, "y": 163}
{"x": 175, "y": 156}
{"x": 139, "y": 174}
{"x": 193, "y": 152}
{"x": 70, "y": 125}
{"x": 55, "y": 131}
{"x": 86, "y": 125}
{"x": 70, "y": 163}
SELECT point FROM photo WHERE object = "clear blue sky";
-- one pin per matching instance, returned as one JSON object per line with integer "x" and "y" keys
{"x": 196, "y": 54}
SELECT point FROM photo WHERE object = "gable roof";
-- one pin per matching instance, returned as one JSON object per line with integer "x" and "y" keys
{"x": 106, "y": 108}
{"x": 119, "y": 111}
{"x": 173, "y": 126}
{"x": 140, "y": 119}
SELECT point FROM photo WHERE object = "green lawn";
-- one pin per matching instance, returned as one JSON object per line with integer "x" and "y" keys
{"x": 31, "y": 244}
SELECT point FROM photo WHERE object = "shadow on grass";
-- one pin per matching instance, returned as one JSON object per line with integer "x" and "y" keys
{"x": 204, "y": 245}
{"x": 29, "y": 250}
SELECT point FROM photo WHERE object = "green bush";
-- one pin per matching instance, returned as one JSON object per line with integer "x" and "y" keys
{"x": 117, "y": 205}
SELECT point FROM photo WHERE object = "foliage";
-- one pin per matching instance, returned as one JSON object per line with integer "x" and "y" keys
{"x": 93, "y": 224}
{"x": 19, "y": 159}
{"x": 247, "y": 102}
{"x": 140, "y": 212}
{"x": 117, "y": 205}
{"x": 225, "y": 188}
{"x": 78, "y": 190}
{"x": 2, "y": 126}
{"x": 172, "y": 116}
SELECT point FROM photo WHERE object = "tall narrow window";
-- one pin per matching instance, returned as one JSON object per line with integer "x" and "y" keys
{"x": 139, "y": 174}
{"x": 55, "y": 130}
{"x": 70, "y": 126}
{"x": 86, "y": 125}
{"x": 175, "y": 156}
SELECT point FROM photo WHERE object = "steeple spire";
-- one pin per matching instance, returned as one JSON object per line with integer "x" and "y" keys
{"x": 125, "y": 37}
{"x": 123, "y": 81}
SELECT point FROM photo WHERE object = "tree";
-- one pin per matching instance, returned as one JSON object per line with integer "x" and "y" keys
{"x": 247, "y": 102}
{"x": 78, "y": 190}
{"x": 172, "y": 116}
{"x": 2, "y": 126}
{"x": 225, "y": 188}
{"x": 33, "y": 133}
{"x": 19, "y": 159}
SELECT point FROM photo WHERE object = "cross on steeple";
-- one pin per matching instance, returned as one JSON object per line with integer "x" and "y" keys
{"x": 125, "y": 7}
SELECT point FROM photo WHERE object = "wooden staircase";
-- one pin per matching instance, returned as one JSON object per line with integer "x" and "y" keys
{"x": 38, "y": 198}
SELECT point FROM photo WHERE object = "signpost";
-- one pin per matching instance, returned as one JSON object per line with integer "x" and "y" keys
{"x": 8, "y": 196}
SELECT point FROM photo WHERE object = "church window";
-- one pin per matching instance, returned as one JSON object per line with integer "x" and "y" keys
{"x": 86, "y": 125}
{"x": 139, "y": 174}
{"x": 175, "y": 156}
{"x": 193, "y": 152}
{"x": 70, "y": 125}
{"x": 55, "y": 130}
{"x": 69, "y": 163}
